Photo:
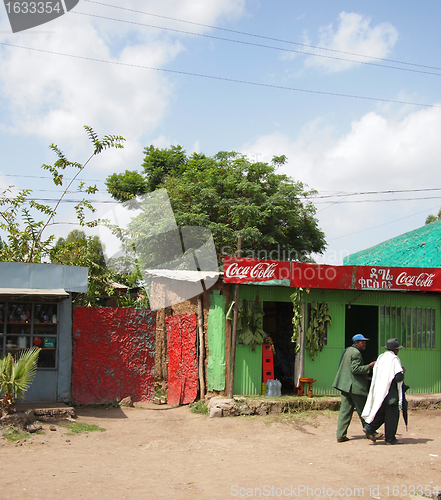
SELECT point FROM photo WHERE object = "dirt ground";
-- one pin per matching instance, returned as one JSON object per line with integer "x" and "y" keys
{"x": 151, "y": 452}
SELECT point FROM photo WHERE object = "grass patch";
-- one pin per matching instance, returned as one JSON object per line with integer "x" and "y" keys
{"x": 14, "y": 435}
{"x": 79, "y": 427}
{"x": 199, "y": 407}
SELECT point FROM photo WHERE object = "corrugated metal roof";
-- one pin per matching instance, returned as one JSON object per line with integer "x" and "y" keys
{"x": 55, "y": 292}
{"x": 181, "y": 275}
{"x": 25, "y": 275}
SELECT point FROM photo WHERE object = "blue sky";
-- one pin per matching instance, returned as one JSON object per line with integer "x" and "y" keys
{"x": 297, "y": 74}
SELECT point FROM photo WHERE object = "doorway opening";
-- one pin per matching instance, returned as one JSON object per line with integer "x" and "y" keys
{"x": 277, "y": 323}
{"x": 363, "y": 319}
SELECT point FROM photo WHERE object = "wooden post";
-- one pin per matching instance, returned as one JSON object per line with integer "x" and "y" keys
{"x": 299, "y": 369}
{"x": 228, "y": 346}
{"x": 234, "y": 333}
{"x": 201, "y": 349}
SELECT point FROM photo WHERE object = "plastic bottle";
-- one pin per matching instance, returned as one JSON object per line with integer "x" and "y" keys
{"x": 277, "y": 388}
{"x": 269, "y": 389}
{"x": 22, "y": 341}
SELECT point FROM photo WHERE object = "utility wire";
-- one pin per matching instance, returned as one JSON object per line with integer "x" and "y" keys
{"x": 219, "y": 78}
{"x": 260, "y": 36}
{"x": 311, "y": 199}
{"x": 317, "y": 196}
{"x": 257, "y": 44}
{"x": 381, "y": 225}
{"x": 390, "y": 191}
{"x": 380, "y": 201}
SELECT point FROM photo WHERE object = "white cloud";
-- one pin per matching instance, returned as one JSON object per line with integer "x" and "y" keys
{"x": 377, "y": 154}
{"x": 356, "y": 36}
{"x": 52, "y": 96}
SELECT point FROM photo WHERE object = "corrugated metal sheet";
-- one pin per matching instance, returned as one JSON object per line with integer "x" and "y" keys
{"x": 43, "y": 388}
{"x": 325, "y": 364}
{"x": 181, "y": 359}
{"x": 216, "y": 333}
{"x": 422, "y": 370}
{"x": 248, "y": 370}
{"x": 113, "y": 354}
{"x": 55, "y": 292}
{"x": 75, "y": 278}
{"x": 46, "y": 276}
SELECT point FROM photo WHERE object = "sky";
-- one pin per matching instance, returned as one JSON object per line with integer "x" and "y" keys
{"x": 348, "y": 91}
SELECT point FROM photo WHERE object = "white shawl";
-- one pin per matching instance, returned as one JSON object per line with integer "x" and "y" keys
{"x": 387, "y": 366}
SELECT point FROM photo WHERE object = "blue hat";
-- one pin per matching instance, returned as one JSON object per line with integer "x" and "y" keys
{"x": 357, "y": 337}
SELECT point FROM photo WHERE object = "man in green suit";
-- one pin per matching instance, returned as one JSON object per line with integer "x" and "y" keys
{"x": 351, "y": 382}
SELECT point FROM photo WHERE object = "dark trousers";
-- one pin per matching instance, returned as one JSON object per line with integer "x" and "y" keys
{"x": 388, "y": 415}
{"x": 349, "y": 402}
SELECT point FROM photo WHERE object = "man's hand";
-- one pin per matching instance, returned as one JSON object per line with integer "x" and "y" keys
{"x": 371, "y": 364}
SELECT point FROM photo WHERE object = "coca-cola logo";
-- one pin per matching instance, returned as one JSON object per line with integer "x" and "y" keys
{"x": 424, "y": 280}
{"x": 262, "y": 270}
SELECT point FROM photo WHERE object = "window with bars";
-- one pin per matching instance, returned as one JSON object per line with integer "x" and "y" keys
{"x": 27, "y": 324}
{"x": 412, "y": 326}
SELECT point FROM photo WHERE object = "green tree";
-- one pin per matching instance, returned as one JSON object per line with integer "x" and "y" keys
{"x": 16, "y": 375}
{"x": 25, "y": 221}
{"x": 230, "y": 195}
{"x": 433, "y": 218}
{"x": 77, "y": 249}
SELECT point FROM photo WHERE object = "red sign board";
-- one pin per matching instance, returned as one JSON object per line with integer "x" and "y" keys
{"x": 238, "y": 270}
{"x": 322, "y": 276}
{"x": 398, "y": 278}
{"x": 304, "y": 275}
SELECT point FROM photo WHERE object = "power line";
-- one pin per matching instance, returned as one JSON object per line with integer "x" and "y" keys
{"x": 219, "y": 78}
{"x": 258, "y": 44}
{"x": 380, "y": 225}
{"x": 260, "y": 36}
{"x": 46, "y": 177}
{"x": 336, "y": 195}
{"x": 312, "y": 199}
{"x": 381, "y": 201}
{"x": 389, "y": 191}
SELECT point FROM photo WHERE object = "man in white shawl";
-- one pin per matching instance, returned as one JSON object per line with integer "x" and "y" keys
{"x": 385, "y": 396}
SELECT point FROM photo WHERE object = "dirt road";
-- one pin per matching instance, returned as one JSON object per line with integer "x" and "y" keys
{"x": 156, "y": 452}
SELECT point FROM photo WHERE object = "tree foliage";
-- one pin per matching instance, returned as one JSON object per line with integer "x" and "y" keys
{"x": 25, "y": 221}
{"x": 231, "y": 196}
{"x": 432, "y": 218}
{"x": 77, "y": 249}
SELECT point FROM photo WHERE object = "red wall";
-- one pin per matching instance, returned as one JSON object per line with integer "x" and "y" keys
{"x": 113, "y": 354}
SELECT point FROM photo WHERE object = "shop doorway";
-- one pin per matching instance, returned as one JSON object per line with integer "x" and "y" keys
{"x": 277, "y": 323}
{"x": 363, "y": 319}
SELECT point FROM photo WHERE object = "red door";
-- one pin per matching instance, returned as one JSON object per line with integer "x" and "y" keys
{"x": 181, "y": 359}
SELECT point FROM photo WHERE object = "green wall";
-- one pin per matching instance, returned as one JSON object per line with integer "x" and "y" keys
{"x": 216, "y": 333}
{"x": 423, "y": 366}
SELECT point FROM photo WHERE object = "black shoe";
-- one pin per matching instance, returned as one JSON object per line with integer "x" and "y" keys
{"x": 342, "y": 439}
{"x": 369, "y": 435}
{"x": 395, "y": 441}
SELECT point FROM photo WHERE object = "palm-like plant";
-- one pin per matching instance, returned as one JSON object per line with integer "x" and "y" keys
{"x": 16, "y": 375}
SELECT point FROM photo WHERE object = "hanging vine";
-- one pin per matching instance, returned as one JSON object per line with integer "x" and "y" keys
{"x": 297, "y": 303}
{"x": 319, "y": 320}
{"x": 249, "y": 321}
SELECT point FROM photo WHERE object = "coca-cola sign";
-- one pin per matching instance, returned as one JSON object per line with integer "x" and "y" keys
{"x": 398, "y": 278}
{"x": 255, "y": 270}
{"x": 299, "y": 274}
{"x": 424, "y": 280}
